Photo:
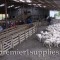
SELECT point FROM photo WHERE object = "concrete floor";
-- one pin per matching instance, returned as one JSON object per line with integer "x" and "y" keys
{"x": 30, "y": 45}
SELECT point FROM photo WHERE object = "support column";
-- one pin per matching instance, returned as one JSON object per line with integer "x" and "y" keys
{"x": 6, "y": 12}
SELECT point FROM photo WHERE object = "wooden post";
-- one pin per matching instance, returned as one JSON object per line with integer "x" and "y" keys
{"x": 32, "y": 12}
{"x": 6, "y": 12}
{"x": 23, "y": 13}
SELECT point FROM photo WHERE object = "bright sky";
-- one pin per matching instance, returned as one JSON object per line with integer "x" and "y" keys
{"x": 52, "y": 13}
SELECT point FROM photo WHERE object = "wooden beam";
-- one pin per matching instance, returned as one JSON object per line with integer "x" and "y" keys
{"x": 6, "y": 12}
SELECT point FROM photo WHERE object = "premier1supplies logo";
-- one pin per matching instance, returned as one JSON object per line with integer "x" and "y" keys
{"x": 31, "y": 52}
